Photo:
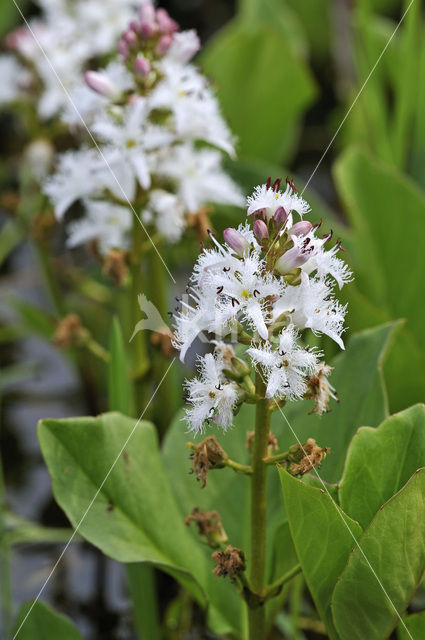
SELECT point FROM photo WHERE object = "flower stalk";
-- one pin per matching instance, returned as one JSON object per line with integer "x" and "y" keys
{"x": 257, "y": 615}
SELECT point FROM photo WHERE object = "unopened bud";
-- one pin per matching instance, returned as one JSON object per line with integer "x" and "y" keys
{"x": 292, "y": 259}
{"x": 165, "y": 23}
{"x": 236, "y": 241}
{"x": 102, "y": 84}
{"x": 142, "y": 66}
{"x": 164, "y": 44}
{"x": 300, "y": 228}
{"x": 147, "y": 19}
{"x": 123, "y": 48}
{"x": 260, "y": 230}
{"x": 280, "y": 215}
{"x": 130, "y": 37}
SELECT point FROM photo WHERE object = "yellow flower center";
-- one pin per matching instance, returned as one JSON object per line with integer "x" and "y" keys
{"x": 130, "y": 144}
{"x": 246, "y": 294}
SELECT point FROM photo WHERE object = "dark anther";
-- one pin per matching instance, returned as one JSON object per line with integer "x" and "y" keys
{"x": 279, "y": 366}
{"x": 269, "y": 179}
{"x": 226, "y": 269}
{"x": 318, "y": 224}
{"x": 276, "y": 184}
{"x": 170, "y": 313}
{"x": 255, "y": 293}
{"x": 234, "y": 301}
{"x": 219, "y": 289}
{"x": 282, "y": 353}
{"x": 202, "y": 247}
{"x": 218, "y": 387}
{"x": 328, "y": 236}
{"x": 210, "y": 233}
{"x": 286, "y": 385}
{"x": 291, "y": 184}
{"x": 176, "y": 308}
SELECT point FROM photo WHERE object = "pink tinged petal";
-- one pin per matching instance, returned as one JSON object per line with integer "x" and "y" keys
{"x": 142, "y": 66}
{"x": 165, "y": 23}
{"x": 301, "y": 228}
{"x": 280, "y": 215}
{"x": 164, "y": 43}
{"x": 236, "y": 241}
{"x": 290, "y": 260}
{"x": 102, "y": 84}
{"x": 260, "y": 230}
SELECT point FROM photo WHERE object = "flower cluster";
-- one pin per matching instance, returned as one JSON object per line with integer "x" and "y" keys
{"x": 59, "y": 43}
{"x": 156, "y": 144}
{"x": 266, "y": 287}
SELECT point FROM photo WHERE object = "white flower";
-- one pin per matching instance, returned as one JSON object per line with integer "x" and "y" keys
{"x": 211, "y": 396}
{"x": 198, "y": 176}
{"x": 286, "y": 367}
{"x": 14, "y": 79}
{"x": 184, "y": 46}
{"x": 185, "y": 92}
{"x": 166, "y": 211}
{"x": 86, "y": 103}
{"x": 130, "y": 138}
{"x": 195, "y": 316}
{"x": 310, "y": 305}
{"x": 270, "y": 198}
{"x": 80, "y": 173}
{"x": 107, "y": 223}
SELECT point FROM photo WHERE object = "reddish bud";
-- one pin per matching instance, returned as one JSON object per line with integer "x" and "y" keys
{"x": 236, "y": 241}
{"x": 280, "y": 215}
{"x": 301, "y": 228}
{"x": 142, "y": 66}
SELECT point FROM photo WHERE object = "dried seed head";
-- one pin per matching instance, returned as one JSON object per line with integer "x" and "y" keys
{"x": 209, "y": 526}
{"x": 230, "y": 562}
{"x": 320, "y": 390}
{"x": 115, "y": 266}
{"x": 68, "y": 332}
{"x": 308, "y": 456}
{"x": 272, "y": 444}
{"x": 206, "y": 455}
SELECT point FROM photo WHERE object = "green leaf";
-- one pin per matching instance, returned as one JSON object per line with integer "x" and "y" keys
{"x": 380, "y": 462}
{"x": 119, "y": 384}
{"x": 367, "y": 602}
{"x": 323, "y": 536}
{"x": 21, "y": 530}
{"x": 357, "y": 376}
{"x": 415, "y": 625}
{"x": 388, "y": 271}
{"x": 242, "y": 60}
{"x": 134, "y": 510}
{"x": 43, "y": 623}
{"x": 11, "y": 235}
{"x": 34, "y": 318}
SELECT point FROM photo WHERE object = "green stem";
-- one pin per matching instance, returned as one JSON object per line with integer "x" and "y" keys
{"x": 97, "y": 350}
{"x": 50, "y": 280}
{"x": 274, "y": 589}
{"x": 141, "y": 585}
{"x": 257, "y": 615}
{"x": 239, "y": 468}
{"x": 285, "y": 455}
{"x": 138, "y": 345}
{"x": 6, "y": 597}
{"x": 168, "y": 395}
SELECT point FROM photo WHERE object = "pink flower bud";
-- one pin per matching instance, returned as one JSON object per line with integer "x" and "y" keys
{"x": 123, "y": 48}
{"x": 300, "y": 228}
{"x": 147, "y": 19}
{"x": 290, "y": 260}
{"x": 130, "y": 37}
{"x": 142, "y": 66}
{"x": 260, "y": 230}
{"x": 236, "y": 241}
{"x": 102, "y": 84}
{"x": 165, "y": 23}
{"x": 163, "y": 44}
{"x": 134, "y": 26}
{"x": 280, "y": 215}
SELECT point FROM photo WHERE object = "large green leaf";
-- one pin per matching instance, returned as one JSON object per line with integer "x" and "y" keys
{"x": 358, "y": 378}
{"x": 380, "y": 462}
{"x": 384, "y": 208}
{"x": 323, "y": 536}
{"x": 134, "y": 510}
{"x": 43, "y": 623}
{"x": 412, "y": 627}
{"x": 118, "y": 379}
{"x": 253, "y": 65}
{"x": 385, "y": 568}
